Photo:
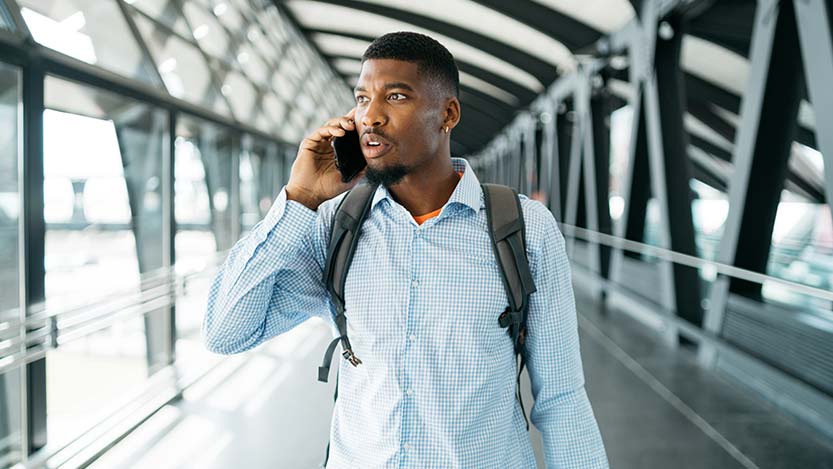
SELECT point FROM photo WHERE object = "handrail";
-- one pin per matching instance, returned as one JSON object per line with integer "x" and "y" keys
{"x": 49, "y": 328}
{"x": 691, "y": 261}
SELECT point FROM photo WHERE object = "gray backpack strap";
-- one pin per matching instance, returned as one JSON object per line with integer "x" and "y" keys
{"x": 344, "y": 237}
{"x": 506, "y": 230}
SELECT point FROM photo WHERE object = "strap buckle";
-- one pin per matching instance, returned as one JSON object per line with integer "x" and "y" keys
{"x": 510, "y": 318}
{"x": 349, "y": 356}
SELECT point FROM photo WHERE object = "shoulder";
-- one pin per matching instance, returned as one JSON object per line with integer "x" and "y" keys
{"x": 542, "y": 232}
{"x": 325, "y": 213}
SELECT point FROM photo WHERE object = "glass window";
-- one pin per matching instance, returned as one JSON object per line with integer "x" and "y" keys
{"x": 802, "y": 251}
{"x": 202, "y": 188}
{"x": 260, "y": 180}
{"x": 253, "y": 64}
{"x": 228, "y": 15}
{"x": 241, "y": 95}
{"x": 274, "y": 109}
{"x": 621, "y": 128}
{"x": 103, "y": 157}
{"x": 165, "y": 11}
{"x": 93, "y": 31}
{"x": 709, "y": 211}
{"x": 282, "y": 84}
{"x": 209, "y": 33}
{"x": 182, "y": 66}
{"x": 270, "y": 51}
{"x": 9, "y": 187}
{"x": 10, "y": 441}
{"x": 6, "y": 21}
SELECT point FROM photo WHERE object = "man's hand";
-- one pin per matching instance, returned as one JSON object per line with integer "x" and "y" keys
{"x": 314, "y": 177}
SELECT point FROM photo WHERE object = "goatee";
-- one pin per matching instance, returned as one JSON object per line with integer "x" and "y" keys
{"x": 387, "y": 176}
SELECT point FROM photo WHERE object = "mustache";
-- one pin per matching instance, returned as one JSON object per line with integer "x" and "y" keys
{"x": 372, "y": 131}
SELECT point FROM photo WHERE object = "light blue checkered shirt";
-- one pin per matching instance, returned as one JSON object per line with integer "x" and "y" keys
{"x": 437, "y": 385}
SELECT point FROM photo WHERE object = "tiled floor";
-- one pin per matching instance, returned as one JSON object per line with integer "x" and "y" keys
{"x": 655, "y": 407}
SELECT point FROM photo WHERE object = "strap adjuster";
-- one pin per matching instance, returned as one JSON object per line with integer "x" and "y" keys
{"x": 351, "y": 357}
{"x": 510, "y": 318}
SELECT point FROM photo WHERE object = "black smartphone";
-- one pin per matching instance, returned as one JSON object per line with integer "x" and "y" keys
{"x": 349, "y": 158}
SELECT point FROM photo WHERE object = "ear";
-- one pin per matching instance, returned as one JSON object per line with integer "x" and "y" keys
{"x": 451, "y": 113}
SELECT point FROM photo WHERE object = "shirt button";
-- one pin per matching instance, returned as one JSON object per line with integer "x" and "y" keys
{"x": 410, "y": 391}
{"x": 415, "y": 283}
{"x": 412, "y": 338}
{"x": 407, "y": 445}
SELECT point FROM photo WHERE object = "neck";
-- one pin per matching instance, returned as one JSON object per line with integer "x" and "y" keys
{"x": 426, "y": 188}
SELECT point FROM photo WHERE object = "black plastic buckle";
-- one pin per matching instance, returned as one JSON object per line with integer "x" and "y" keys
{"x": 349, "y": 356}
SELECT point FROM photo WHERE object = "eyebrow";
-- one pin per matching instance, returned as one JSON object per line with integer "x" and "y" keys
{"x": 389, "y": 86}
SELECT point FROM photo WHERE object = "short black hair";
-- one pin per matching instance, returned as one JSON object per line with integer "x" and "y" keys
{"x": 432, "y": 58}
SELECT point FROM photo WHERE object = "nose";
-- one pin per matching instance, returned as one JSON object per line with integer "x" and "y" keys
{"x": 373, "y": 115}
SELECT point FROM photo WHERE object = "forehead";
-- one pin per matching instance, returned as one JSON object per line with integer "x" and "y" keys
{"x": 378, "y": 72}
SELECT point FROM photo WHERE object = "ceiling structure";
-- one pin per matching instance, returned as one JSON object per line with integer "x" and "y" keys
{"x": 510, "y": 52}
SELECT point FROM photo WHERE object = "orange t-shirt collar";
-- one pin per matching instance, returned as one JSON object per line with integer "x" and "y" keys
{"x": 420, "y": 219}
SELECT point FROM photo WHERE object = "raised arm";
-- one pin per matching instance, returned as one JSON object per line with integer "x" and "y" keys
{"x": 272, "y": 278}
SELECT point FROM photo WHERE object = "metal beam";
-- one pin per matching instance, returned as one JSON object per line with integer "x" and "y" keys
{"x": 600, "y": 110}
{"x": 34, "y": 230}
{"x": 523, "y": 94}
{"x": 638, "y": 183}
{"x": 574, "y": 34}
{"x": 816, "y": 41}
{"x": 656, "y": 157}
{"x": 671, "y": 94}
{"x": 545, "y": 73}
{"x": 564, "y": 136}
{"x": 728, "y": 24}
{"x": 768, "y": 113}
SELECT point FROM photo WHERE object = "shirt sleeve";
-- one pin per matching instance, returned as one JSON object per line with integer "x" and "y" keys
{"x": 272, "y": 279}
{"x": 562, "y": 411}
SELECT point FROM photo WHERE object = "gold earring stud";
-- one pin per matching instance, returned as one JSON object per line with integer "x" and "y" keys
{"x": 446, "y": 129}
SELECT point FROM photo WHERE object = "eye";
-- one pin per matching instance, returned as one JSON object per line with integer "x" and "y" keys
{"x": 397, "y": 96}
{"x": 361, "y": 99}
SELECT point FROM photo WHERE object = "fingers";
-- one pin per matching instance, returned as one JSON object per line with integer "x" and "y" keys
{"x": 326, "y": 133}
{"x": 336, "y": 127}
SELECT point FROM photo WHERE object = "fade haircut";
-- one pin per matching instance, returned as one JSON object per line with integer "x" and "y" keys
{"x": 433, "y": 60}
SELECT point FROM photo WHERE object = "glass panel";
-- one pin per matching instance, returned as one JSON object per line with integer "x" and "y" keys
{"x": 208, "y": 32}
{"x": 182, "y": 67}
{"x": 10, "y": 438}
{"x": 165, "y": 11}
{"x": 802, "y": 251}
{"x": 6, "y": 21}
{"x": 274, "y": 109}
{"x": 228, "y": 15}
{"x": 253, "y": 64}
{"x": 241, "y": 95}
{"x": 10, "y": 441}
{"x": 93, "y": 31}
{"x": 202, "y": 171}
{"x": 270, "y": 51}
{"x": 621, "y": 128}
{"x": 260, "y": 180}
{"x": 282, "y": 83}
{"x": 709, "y": 211}
{"x": 103, "y": 158}
{"x": 9, "y": 187}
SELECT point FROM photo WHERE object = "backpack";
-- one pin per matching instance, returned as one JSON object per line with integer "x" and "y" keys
{"x": 506, "y": 231}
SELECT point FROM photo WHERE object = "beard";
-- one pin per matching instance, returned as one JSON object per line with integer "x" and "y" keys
{"x": 386, "y": 176}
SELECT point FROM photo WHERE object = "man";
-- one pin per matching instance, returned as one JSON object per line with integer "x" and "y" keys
{"x": 436, "y": 386}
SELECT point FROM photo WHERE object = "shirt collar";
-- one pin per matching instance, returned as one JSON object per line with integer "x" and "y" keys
{"x": 468, "y": 191}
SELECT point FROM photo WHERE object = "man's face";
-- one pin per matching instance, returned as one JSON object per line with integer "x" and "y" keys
{"x": 399, "y": 117}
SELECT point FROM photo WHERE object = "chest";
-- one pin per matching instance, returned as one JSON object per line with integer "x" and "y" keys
{"x": 441, "y": 284}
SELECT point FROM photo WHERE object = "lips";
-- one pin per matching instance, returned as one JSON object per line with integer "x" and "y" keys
{"x": 374, "y": 146}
